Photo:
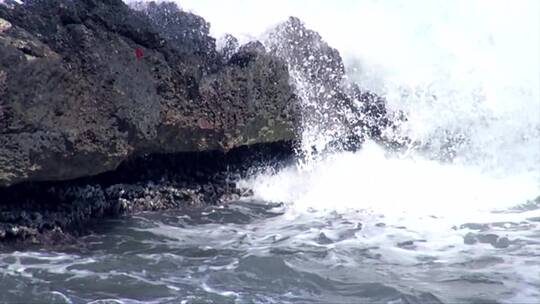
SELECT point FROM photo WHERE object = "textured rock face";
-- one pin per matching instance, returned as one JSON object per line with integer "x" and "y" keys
{"x": 86, "y": 84}
{"x": 52, "y": 213}
{"x": 332, "y": 106}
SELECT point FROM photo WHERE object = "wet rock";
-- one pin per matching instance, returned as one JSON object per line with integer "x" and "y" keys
{"x": 49, "y": 213}
{"x": 108, "y": 110}
{"x": 332, "y": 106}
{"x": 109, "y": 83}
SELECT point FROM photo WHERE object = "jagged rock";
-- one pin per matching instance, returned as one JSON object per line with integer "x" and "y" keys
{"x": 88, "y": 88}
{"x": 333, "y": 107}
{"x": 308, "y": 54}
{"x": 86, "y": 84}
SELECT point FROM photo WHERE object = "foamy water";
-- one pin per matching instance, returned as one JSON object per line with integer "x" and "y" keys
{"x": 371, "y": 180}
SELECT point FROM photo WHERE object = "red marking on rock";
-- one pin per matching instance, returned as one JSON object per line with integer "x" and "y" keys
{"x": 139, "y": 53}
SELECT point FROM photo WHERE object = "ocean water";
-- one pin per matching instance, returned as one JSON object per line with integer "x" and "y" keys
{"x": 454, "y": 218}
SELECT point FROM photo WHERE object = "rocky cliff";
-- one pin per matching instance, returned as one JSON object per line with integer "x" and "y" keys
{"x": 107, "y": 109}
{"x": 86, "y": 84}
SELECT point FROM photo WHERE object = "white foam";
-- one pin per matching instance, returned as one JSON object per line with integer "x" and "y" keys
{"x": 369, "y": 180}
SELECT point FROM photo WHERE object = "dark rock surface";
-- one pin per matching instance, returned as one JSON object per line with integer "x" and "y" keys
{"x": 51, "y": 213}
{"x": 76, "y": 100}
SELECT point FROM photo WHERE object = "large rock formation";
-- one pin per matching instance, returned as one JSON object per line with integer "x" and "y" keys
{"x": 86, "y": 84}
{"x": 108, "y": 110}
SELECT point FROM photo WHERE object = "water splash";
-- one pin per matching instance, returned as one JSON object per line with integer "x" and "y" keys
{"x": 466, "y": 74}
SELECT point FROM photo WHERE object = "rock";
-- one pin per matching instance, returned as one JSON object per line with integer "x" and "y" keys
{"x": 107, "y": 110}
{"x": 331, "y": 106}
{"x": 152, "y": 183}
{"x": 76, "y": 100}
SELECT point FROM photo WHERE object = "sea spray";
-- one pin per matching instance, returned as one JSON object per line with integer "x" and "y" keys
{"x": 466, "y": 75}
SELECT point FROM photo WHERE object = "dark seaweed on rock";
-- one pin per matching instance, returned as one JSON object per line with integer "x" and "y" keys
{"x": 50, "y": 213}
